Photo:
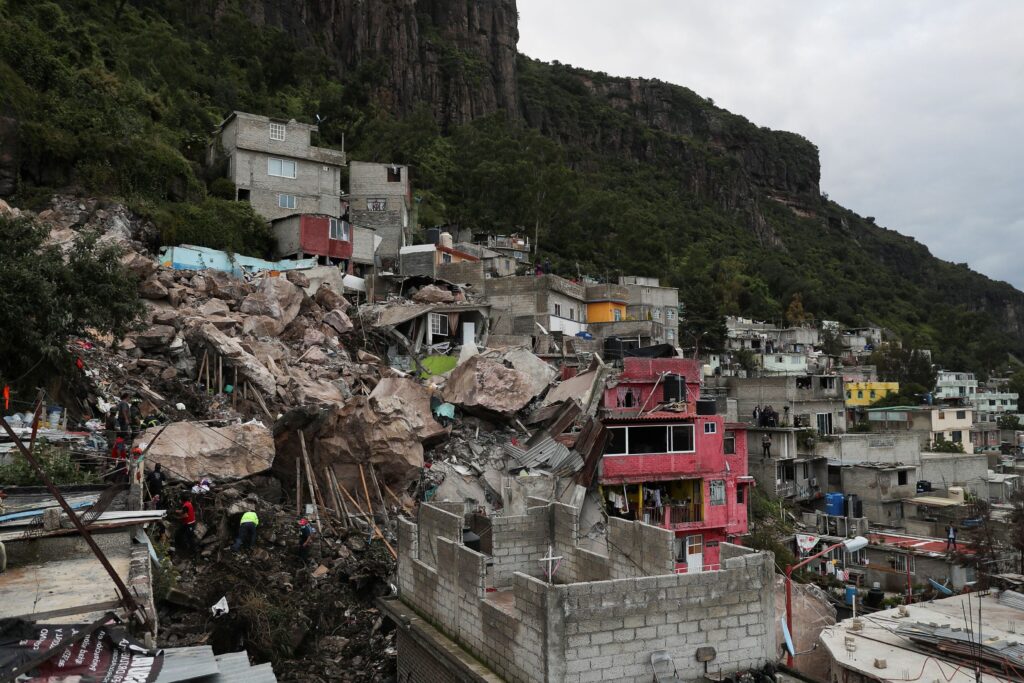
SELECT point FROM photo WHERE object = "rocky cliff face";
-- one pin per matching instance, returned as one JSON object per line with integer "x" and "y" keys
{"x": 457, "y": 56}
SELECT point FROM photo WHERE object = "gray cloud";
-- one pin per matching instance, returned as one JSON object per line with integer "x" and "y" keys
{"x": 917, "y": 106}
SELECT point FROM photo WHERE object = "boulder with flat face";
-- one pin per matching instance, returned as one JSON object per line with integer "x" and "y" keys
{"x": 190, "y": 451}
{"x": 485, "y": 385}
{"x": 338, "y": 321}
{"x": 275, "y": 298}
{"x": 235, "y": 356}
{"x": 432, "y": 294}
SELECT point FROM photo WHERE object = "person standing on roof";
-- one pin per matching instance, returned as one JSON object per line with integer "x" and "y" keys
{"x": 766, "y": 446}
{"x": 246, "y": 531}
{"x": 306, "y": 533}
{"x": 187, "y": 517}
{"x": 950, "y": 537}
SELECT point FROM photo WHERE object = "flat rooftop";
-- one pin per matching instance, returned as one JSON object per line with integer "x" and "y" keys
{"x": 883, "y": 637}
{"x": 75, "y": 589}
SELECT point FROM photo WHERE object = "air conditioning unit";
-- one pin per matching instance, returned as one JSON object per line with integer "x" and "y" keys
{"x": 812, "y": 482}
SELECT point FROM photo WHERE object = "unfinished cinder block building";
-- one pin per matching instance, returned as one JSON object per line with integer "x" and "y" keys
{"x": 466, "y": 616}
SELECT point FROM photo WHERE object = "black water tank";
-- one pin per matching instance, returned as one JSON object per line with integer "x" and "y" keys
{"x": 470, "y": 540}
{"x": 706, "y": 406}
{"x": 874, "y": 597}
{"x": 675, "y": 388}
{"x": 433, "y": 235}
{"x": 923, "y": 486}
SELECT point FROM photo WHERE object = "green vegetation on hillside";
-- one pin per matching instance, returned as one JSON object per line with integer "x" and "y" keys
{"x": 119, "y": 98}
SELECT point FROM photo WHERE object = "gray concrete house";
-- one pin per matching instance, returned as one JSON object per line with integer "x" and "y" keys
{"x": 648, "y": 300}
{"x": 380, "y": 198}
{"x": 275, "y": 167}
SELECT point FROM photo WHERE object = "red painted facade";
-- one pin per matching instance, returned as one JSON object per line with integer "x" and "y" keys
{"x": 314, "y": 238}
{"x": 674, "y": 468}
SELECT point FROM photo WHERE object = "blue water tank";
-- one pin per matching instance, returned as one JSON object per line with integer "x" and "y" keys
{"x": 851, "y": 593}
{"x": 835, "y": 504}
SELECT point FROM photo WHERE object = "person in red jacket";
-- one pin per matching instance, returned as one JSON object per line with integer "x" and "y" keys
{"x": 187, "y": 517}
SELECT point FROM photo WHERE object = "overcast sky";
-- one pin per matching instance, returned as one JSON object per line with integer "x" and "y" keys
{"x": 917, "y": 106}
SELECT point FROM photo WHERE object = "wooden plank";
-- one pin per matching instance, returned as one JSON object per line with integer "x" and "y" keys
{"x": 375, "y": 528}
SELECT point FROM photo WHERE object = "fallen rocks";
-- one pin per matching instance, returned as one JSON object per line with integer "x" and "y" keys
{"x": 155, "y": 336}
{"x": 276, "y": 298}
{"x": 329, "y": 299}
{"x": 539, "y": 373}
{"x": 190, "y": 450}
{"x": 484, "y": 384}
{"x": 247, "y": 364}
{"x": 432, "y": 294}
{"x": 152, "y": 289}
{"x": 338, "y": 321}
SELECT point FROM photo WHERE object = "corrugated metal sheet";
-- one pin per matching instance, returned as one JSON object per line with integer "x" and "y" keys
{"x": 549, "y": 454}
{"x": 187, "y": 664}
{"x": 200, "y": 665}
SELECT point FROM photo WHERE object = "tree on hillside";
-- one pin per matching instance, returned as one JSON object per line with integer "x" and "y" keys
{"x": 47, "y": 299}
{"x": 795, "y": 313}
{"x": 909, "y": 367}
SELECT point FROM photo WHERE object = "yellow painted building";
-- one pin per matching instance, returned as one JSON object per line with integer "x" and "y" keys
{"x": 862, "y": 394}
{"x": 606, "y": 303}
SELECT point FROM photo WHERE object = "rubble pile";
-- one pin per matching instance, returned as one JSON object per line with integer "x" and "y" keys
{"x": 313, "y": 620}
{"x": 276, "y": 387}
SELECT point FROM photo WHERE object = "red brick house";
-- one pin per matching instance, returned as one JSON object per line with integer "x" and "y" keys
{"x": 303, "y": 235}
{"x": 671, "y": 461}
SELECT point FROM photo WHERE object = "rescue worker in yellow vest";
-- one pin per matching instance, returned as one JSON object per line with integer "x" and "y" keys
{"x": 246, "y": 531}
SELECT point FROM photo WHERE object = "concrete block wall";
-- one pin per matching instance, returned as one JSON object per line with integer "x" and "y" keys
{"x": 518, "y": 543}
{"x": 588, "y": 631}
{"x": 417, "y": 263}
{"x": 612, "y": 627}
{"x": 463, "y": 273}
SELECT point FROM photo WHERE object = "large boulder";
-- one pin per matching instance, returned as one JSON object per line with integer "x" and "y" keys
{"x": 340, "y": 322}
{"x": 482, "y": 384}
{"x": 418, "y": 398}
{"x": 152, "y": 288}
{"x": 155, "y": 337}
{"x": 140, "y": 265}
{"x": 249, "y": 367}
{"x": 330, "y": 299}
{"x": 214, "y": 307}
{"x": 276, "y": 298}
{"x": 191, "y": 450}
{"x": 432, "y": 294}
{"x": 540, "y": 373}
{"x": 222, "y": 285}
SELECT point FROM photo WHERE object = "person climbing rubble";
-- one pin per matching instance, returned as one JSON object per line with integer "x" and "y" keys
{"x": 246, "y": 531}
{"x": 155, "y": 481}
{"x": 306, "y": 533}
{"x": 187, "y": 531}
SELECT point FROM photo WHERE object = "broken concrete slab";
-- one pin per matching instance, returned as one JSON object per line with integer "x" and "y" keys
{"x": 485, "y": 384}
{"x": 191, "y": 450}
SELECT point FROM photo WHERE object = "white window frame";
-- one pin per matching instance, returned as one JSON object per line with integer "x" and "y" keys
{"x": 338, "y": 230}
{"x": 282, "y": 163}
{"x": 719, "y": 486}
{"x": 617, "y": 314}
{"x": 277, "y": 131}
{"x": 656, "y": 314}
{"x": 284, "y": 203}
{"x": 437, "y": 322}
{"x": 710, "y": 427}
{"x": 377, "y": 204}
{"x": 558, "y": 310}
